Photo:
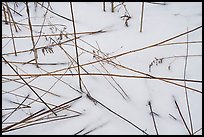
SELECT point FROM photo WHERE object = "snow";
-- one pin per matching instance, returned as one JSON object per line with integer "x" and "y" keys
{"x": 160, "y": 22}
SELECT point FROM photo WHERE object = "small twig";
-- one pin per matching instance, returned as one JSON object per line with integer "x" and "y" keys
{"x": 105, "y": 74}
{"x": 173, "y": 117}
{"x": 42, "y": 25}
{"x": 104, "y": 6}
{"x": 79, "y": 131}
{"x": 55, "y": 12}
{"x": 95, "y": 128}
{"x": 75, "y": 40}
{"x": 12, "y": 35}
{"x": 186, "y": 93}
{"x": 98, "y": 102}
{"x": 5, "y": 15}
{"x": 142, "y": 14}
{"x": 32, "y": 38}
{"x": 10, "y": 15}
{"x": 14, "y": 10}
{"x": 150, "y": 106}
{"x": 57, "y": 34}
{"x": 112, "y": 6}
{"x": 120, "y": 116}
{"x": 15, "y": 109}
{"x": 20, "y": 103}
{"x": 182, "y": 117}
{"x": 157, "y": 3}
{"x": 121, "y": 3}
{"x": 197, "y": 131}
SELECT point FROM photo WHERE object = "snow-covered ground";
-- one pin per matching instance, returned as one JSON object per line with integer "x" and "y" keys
{"x": 122, "y": 93}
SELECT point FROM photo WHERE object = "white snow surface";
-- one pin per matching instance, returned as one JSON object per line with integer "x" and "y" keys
{"x": 160, "y": 22}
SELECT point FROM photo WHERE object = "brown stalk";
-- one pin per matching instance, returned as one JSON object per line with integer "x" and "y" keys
{"x": 142, "y": 14}
{"x": 112, "y": 6}
{"x": 184, "y": 56}
{"x": 10, "y": 14}
{"x": 43, "y": 122}
{"x": 5, "y": 15}
{"x": 57, "y": 34}
{"x": 100, "y": 126}
{"x": 9, "y": 17}
{"x": 17, "y": 103}
{"x": 157, "y": 3}
{"x": 57, "y": 44}
{"x": 118, "y": 115}
{"x": 32, "y": 38}
{"x": 186, "y": 93}
{"x": 75, "y": 41}
{"x": 173, "y": 43}
{"x": 105, "y": 74}
{"x": 197, "y": 131}
{"x": 42, "y": 25}
{"x": 104, "y": 6}
{"x": 182, "y": 117}
{"x": 54, "y": 12}
{"x": 15, "y": 108}
{"x": 155, "y": 126}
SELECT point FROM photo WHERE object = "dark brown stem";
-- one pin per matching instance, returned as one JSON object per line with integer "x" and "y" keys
{"x": 112, "y": 6}
{"x": 5, "y": 15}
{"x": 142, "y": 14}
{"x": 186, "y": 93}
{"x": 32, "y": 38}
{"x": 9, "y": 17}
{"x": 155, "y": 126}
{"x": 120, "y": 116}
{"x": 75, "y": 41}
{"x": 104, "y": 6}
{"x": 182, "y": 117}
